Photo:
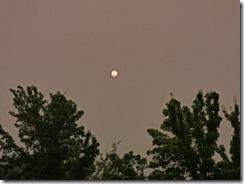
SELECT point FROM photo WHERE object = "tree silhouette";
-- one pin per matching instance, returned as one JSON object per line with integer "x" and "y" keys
{"x": 230, "y": 168}
{"x": 54, "y": 146}
{"x": 186, "y": 146}
{"x": 113, "y": 167}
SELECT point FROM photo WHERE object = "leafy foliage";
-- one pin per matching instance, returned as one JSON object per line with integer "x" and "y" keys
{"x": 186, "y": 146}
{"x": 230, "y": 168}
{"x": 112, "y": 167}
{"x": 54, "y": 146}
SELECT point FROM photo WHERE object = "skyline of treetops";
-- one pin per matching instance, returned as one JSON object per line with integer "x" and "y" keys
{"x": 54, "y": 147}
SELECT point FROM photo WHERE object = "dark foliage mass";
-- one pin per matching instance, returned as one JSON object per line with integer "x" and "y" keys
{"x": 54, "y": 147}
{"x": 186, "y": 147}
{"x": 112, "y": 167}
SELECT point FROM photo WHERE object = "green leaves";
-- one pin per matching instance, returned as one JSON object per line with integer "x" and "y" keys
{"x": 234, "y": 119}
{"x": 188, "y": 142}
{"x": 54, "y": 146}
{"x": 114, "y": 167}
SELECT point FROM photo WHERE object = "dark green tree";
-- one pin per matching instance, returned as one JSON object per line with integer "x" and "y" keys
{"x": 186, "y": 147}
{"x": 10, "y": 155}
{"x": 53, "y": 145}
{"x": 230, "y": 168}
{"x": 113, "y": 167}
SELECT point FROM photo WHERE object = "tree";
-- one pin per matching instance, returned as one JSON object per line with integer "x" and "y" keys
{"x": 230, "y": 168}
{"x": 186, "y": 146}
{"x": 113, "y": 167}
{"x": 54, "y": 146}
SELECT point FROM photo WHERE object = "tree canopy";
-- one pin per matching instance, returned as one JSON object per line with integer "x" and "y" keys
{"x": 113, "y": 167}
{"x": 186, "y": 146}
{"x": 54, "y": 146}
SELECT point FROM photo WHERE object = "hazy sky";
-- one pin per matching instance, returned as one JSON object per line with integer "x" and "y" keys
{"x": 158, "y": 47}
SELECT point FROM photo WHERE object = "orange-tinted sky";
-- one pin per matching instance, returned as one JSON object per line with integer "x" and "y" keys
{"x": 158, "y": 46}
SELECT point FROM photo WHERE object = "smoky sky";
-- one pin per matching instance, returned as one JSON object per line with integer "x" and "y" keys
{"x": 158, "y": 46}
